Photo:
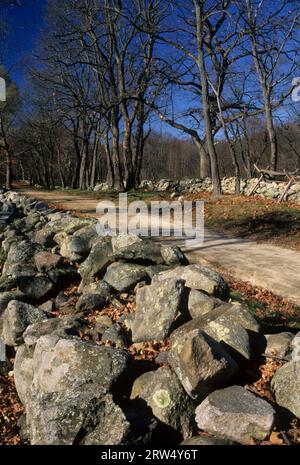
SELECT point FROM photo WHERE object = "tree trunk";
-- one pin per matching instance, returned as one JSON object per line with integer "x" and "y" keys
{"x": 205, "y": 171}
{"x": 117, "y": 178}
{"x": 8, "y": 176}
{"x": 271, "y": 134}
{"x": 215, "y": 174}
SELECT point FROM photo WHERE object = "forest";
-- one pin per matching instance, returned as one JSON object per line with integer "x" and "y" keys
{"x": 125, "y": 90}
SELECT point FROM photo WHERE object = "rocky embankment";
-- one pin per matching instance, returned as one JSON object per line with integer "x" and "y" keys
{"x": 267, "y": 189}
{"x": 121, "y": 341}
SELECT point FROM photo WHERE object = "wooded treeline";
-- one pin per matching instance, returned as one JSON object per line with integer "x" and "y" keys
{"x": 109, "y": 77}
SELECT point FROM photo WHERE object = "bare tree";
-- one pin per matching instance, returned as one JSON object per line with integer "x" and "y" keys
{"x": 272, "y": 34}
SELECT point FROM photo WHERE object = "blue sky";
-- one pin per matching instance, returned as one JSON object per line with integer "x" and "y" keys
{"x": 24, "y": 24}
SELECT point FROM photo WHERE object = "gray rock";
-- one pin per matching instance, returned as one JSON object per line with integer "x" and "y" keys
{"x": 70, "y": 379}
{"x": 236, "y": 414}
{"x": 45, "y": 261}
{"x": 237, "y": 312}
{"x": 97, "y": 261}
{"x": 64, "y": 365}
{"x": 152, "y": 270}
{"x": 35, "y": 287}
{"x": 7, "y": 283}
{"x": 200, "y": 278}
{"x": 5, "y": 298}
{"x": 295, "y": 346}
{"x": 206, "y": 441}
{"x": 157, "y": 307}
{"x": 88, "y": 233}
{"x": 44, "y": 237}
{"x": 279, "y": 345}
{"x": 23, "y": 372}
{"x": 172, "y": 255}
{"x": 111, "y": 426}
{"x": 163, "y": 393}
{"x": 47, "y": 307}
{"x": 116, "y": 335}
{"x": 145, "y": 252}
{"x": 89, "y": 302}
{"x": 16, "y": 318}
{"x": 100, "y": 287}
{"x": 122, "y": 241}
{"x": 200, "y": 304}
{"x": 231, "y": 333}
{"x": 5, "y": 366}
{"x": 200, "y": 362}
{"x": 286, "y": 386}
{"x": 124, "y": 276}
{"x": 20, "y": 256}
{"x": 75, "y": 248}
{"x": 79, "y": 418}
{"x": 63, "y": 327}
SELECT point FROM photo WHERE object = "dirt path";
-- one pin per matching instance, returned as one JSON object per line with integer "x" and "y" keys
{"x": 270, "y": 267}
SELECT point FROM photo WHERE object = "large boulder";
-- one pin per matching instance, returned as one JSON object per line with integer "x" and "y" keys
{"x": 20, "y": 258}
{"x": 89, "y": 302}
{"x": 46, "y": 261}
{"x": 157, "y": 308}
{"x": 122, "y": 241}
{"x": 23, "y": 372}
{"x": 88, "y": 234}
{"x": 36, "y": 287}
{"x": 109, "y": 427}
{"x": 125, "y": 276}
{"x": 98, "y": 260}
{"x": 201, "y": 363}
{"x": 75, "y": 248}
{"x": 200, "y": 278}
{"x": 145, "y": 252}
{"x": 200, "y": 304}
{"x": 163, "y": 393}
{"x": 279, "y": 345}
{"x": 5, "y": 298}
{"x": 236, "y": 414}
{"x": 231, "y": 333}
{"x": 63, "y": 327}
{"x": 286, "y": 386}
{"x": 77, "y": 418}
{"x": 70, "y": 379}
{"x": 16, "y": 318}
{"x": 173, "y": 255}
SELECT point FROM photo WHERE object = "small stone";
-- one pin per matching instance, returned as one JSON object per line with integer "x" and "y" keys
{"x": 45, "y": 261}
{"x": 35, "y": 287}
{"x": 89, "y": 302}
{"x": 173, "y": 255}
{"x": 236, "y": 414}
{"x": 124, "y": 276}
{"x": 116, "y": 335}
{"x": 200, "y": 304}
{"x": 279, "y": 345}
{"x": 16, "y": 318}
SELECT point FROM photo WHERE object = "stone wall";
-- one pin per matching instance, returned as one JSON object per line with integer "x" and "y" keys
{"x": 267, "y": 189}
{"x": 119, "y": 340}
